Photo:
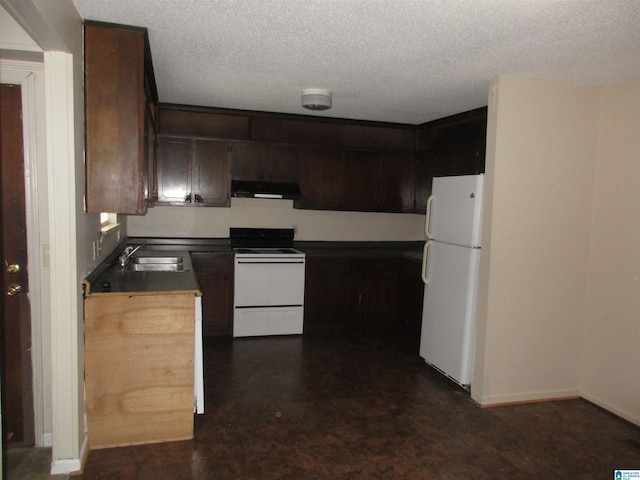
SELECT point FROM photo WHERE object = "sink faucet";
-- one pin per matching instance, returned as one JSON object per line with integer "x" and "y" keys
{"x": 125, "y": 257}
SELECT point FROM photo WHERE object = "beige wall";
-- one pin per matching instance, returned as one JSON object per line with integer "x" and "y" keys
{"x": 540, "y": 170}
{"x": 247, "y": 212}
{"x": 560, "y": 271}
{"x": 610, "y": 370}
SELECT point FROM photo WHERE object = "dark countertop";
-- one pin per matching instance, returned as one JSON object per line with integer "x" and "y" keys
{"x": 111, "y": 279}
{"x": 411, "y": 250}
{"x": 108, "y": 278}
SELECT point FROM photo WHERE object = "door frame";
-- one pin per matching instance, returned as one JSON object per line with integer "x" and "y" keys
{"x": 30, "y": 76}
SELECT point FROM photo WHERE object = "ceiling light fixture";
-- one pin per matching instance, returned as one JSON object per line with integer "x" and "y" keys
{"x": 316, "y": 99}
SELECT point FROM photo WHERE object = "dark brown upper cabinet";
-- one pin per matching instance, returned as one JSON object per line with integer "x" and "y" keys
{"x": 254, "y": 161}
{"x": 120, "y": 99}
{"x": 321, "y": 178}
{"x": 339, "y": 164}
{"x": 453, "y": 145}
{"x": 193, "y": 172}
{"x": 202, "y": 122}
{"x": 397, "y": 179}
{"x": 361, "y": 186}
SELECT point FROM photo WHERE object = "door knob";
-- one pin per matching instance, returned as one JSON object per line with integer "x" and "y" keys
{"x": 13, "y": 268}
{"x": 13, "y": 289}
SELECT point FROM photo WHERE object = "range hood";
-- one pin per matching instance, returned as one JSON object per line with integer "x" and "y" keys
{"x": 253, "y": 189}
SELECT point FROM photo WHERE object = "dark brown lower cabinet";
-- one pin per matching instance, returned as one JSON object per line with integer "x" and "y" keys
{"x": 345, "y": 293}
{"x": 215, "y": 276}
{"x": 410, "y": 296}
{"x": 328, "y": 302}
{"x": 342, "y": 293}
{"x": 375, "y": 286}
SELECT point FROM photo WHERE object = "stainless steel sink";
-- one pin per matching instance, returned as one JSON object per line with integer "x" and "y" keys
{"x": 156, "y": 267}
{"x": 163, "y": 260}
{"x": 157, "y": 264}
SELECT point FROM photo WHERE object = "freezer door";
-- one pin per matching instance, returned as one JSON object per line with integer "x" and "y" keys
{"x": 449, "y": 312}
{"x": 455, "y": 210}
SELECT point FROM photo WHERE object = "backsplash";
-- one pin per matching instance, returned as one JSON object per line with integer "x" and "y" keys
{"x": 316, "y": 225}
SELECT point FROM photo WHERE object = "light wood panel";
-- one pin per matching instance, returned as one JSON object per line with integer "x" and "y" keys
{"x": 139, "y": 368}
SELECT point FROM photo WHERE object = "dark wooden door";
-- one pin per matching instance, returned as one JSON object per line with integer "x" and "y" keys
{"x": 375, "y": 284}
{"x": 173, "y": 171}
{"x": 328, "y": 296}
{"x": 362, "y": 180}
{"x": 281, "y": 163}
{"x": 321, "y": 178}
{"x": 211, "y": 180}
{"x": 246, "y": 161}
{"x": 410, "y": 296}
{"x": 17, "y": 392}
{"x": 215, "y": 276}
{"x": 397, "y": 177}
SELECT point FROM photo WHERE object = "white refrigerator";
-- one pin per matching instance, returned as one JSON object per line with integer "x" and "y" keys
{"x": 450, "y": 266}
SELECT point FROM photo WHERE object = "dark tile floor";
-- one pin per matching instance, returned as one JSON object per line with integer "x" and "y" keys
{"x": 366, "y": 407}
{"x": 29, "y": 464}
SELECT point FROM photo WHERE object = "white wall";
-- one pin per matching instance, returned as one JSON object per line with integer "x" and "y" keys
{"x": 610, "y": 370}
{"x": 247, "y": 212}
{"x": 541, "y": 158}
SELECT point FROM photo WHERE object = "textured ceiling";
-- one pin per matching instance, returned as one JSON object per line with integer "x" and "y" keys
{"x": 407, "y": 61}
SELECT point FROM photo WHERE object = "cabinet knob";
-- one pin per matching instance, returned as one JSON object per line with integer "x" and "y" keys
{"x": 187, "y": 198}
{"x": 197, "y": 198}
{"x": 13, "y": 289}
{"x": 13, "y": 268}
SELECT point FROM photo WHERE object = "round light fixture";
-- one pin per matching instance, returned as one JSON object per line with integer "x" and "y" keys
{"x": 316, "y": 99}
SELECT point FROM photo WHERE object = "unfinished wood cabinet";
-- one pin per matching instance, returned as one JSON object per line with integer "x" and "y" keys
{"x": 139, "y": 362}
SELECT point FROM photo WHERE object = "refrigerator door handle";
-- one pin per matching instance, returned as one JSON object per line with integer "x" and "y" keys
{"x": 428, "y": 218}
{"x": 425, "y": 256}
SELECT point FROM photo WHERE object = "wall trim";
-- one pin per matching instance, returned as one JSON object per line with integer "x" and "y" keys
{"x": 529, "y": 397}
{"x": 628, "y": 416}
{"x": 24, "y": 74}
{"x": 62, "y": 467}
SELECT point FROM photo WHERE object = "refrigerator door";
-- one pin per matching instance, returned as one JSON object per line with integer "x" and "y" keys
{"x": 448, "y": 317}
{"x": 454, "y": 213}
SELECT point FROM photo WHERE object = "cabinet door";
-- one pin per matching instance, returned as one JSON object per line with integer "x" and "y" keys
{"x": 173, "y": 176}
{"x": 211, "y": 173}
{"x": 376, "y": 282}
{"x": 215, "y": 276}
{"x": 114, "y": 103}
{"x": 321, "y": 178}
{"x": 281, "y": 163}
{"x": 328, "y": 297}
{"x": 423, "y": 180}
{"x": 410, "y": 293}
{"x": 397, "y": 178}
{"x": 362, "y": 180}
{"x": 150, "y": 188}
{"x": 246, "y": 161}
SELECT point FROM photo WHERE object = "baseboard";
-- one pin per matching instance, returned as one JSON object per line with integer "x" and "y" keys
{"x": 628, "y": 416}
{"x": 74, "y": 465}
{"x": 530, "y": 397}
{"x": 47, "y": 439}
